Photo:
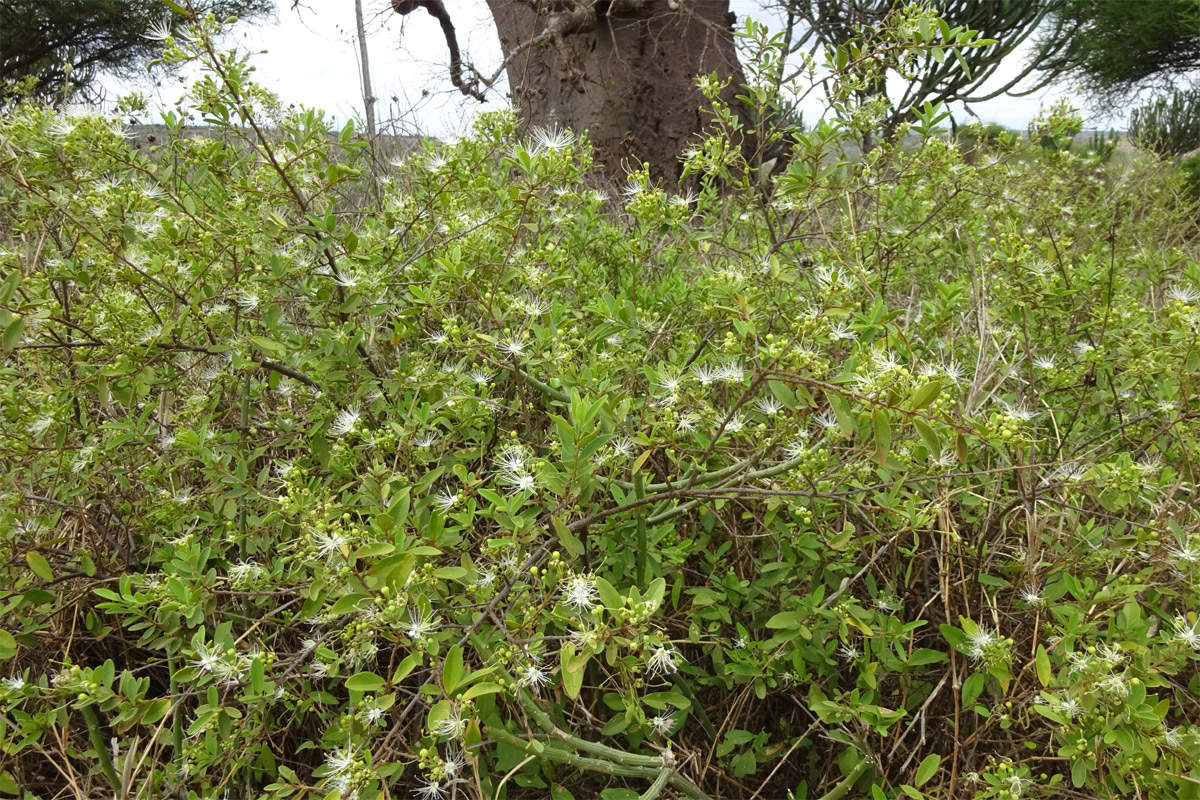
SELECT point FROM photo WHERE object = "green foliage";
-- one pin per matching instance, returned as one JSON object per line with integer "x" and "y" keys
{"x": 1112, "y": 49}
{"x": 55, "y": 49}
{"x": 1168, "y": 127}
{"x": 872, "y": 478}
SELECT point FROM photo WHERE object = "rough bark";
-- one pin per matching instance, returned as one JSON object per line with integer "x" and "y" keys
{"x": 624, "y": 71}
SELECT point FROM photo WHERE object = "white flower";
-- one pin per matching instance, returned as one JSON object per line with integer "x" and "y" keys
{"x": 532, "y": 676}
{"x": 687, "y": 423}
{"x": 552, "y": 139}
{"x": 735, "y": 424}
{"x": 849, "y": 652}
{"x": 1018, "y": 412}
{"x": 328, "y": 544}
{"x": 40, "y": 425}
{"x": 419, "y": 625}
{"x": 346, "y": 281}
{"x": 731, "y": 373}
{"x": 953, "y": 370}
{"x": 160, "y": 31}
{"x": 580, "y": 591}
{"x": 1115, "y": 684}
{"x": 669, "y": 384}
{"x": 662, "y": 661}
{"x": 345, "y": 421}
{"x": 1082, "y": 348}
{"x": 1186, "y": 634}
{"x": 518, "y": 482}
{"x": 622, "y": 446}
{"x": 446, "y": 500}
{"x": 769, "y": 406}
{"x": 481, "y": 376}
{"x": 453, "y": 725}
{"x": 663, "y": 724}
{"x": 1183, "y": 294}
{"x": 512, "y": 459}
{"x": 207, "y": 660}
{"x": 534, "y": 306}
{"x": 308, "y": 645}
{"x": 512, "y": 346}
{"x": 1032, "y": 596}
{"x": 437, "y": 338}
{"x": 982, "y": 639}
{"x": 1045, "y": 363}
{"x": 339, "y": 761}
{"x": 14, "y": 684}
{"x": 827, "y": 420}
{"x": 684, "y": 200}
{"x": 796, "y": 448}
{"x": 705, "y": 375}
{"x": 243, "y": 571}
{"x": 433, "y": 790}
{"x": 453, "y": 763}
{"x": 841, "y": 330}
{"x": 486, "y": 578}
{"x": 425, "y": 439}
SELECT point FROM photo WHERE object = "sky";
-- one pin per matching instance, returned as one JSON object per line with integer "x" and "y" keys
{"x": 308, "y": 56}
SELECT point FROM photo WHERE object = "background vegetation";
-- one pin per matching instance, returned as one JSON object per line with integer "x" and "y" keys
{"x": 326, "y": 477}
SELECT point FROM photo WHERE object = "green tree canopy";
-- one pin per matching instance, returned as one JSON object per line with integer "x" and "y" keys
{"x": 43, "y": 45}
{"x": 1114, "y": 48}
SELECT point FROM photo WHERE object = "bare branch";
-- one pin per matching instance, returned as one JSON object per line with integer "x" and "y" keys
{"x": 437, "y": 10}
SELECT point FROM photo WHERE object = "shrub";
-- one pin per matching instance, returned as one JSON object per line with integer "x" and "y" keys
{"x": 1168, "y": 127}
{"x": 465, "y": 476}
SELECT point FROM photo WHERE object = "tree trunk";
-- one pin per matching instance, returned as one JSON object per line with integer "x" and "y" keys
{"x": 624, "y": 71}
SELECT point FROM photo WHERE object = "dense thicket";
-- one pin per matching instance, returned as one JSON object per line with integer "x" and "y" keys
{"x": 472, "y": 477}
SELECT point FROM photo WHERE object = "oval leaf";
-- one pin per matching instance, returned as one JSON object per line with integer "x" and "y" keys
{"x": 927, "y": 769}
{"x": 364, "y": 682}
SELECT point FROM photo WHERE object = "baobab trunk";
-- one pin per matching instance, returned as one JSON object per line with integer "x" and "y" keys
{"x": 625, "y": 71}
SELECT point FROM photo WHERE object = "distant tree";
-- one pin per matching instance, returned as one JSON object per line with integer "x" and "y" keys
{"x": 57, "y": 47}
{"x": 1116, "y": 48}
{"x": 814, "y": 25}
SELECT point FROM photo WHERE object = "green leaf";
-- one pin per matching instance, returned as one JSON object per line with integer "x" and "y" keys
{"x": 37, "y": 562}
{"x": 609, "y": 596}
{"x": 1042, "y": 662}
{"x": 9, "y": 286}
{"x": 8, "y": 784}
{"x": 572, "y": 672}
{"x": 481, "y": 689}
{"x": 841, "y": 410}
{"x": 1079, "y": 772}
{"x": 364, "y": 682}
{"x": 452, "y": 669}
{"x": 267, "y": 345}
{"x": 13, "y": 332}
{"x": 786, "y": 619}
{"x": 929, "y": 436}
{"x": 8, "y": 645}
{"x": 156, "y": 711}
{"x": 178, "y": 9}
{"x": 568, "y": 540}
{"x": 915, "y": 794}
{"x": 926, "y": 394}
{"x": 411, "y": 662}
{"x": 927, "y": 769}
{"x": 883, "y": 434}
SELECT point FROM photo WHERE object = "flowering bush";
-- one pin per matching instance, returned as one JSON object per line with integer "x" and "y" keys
{"x": 327, "y": 479}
